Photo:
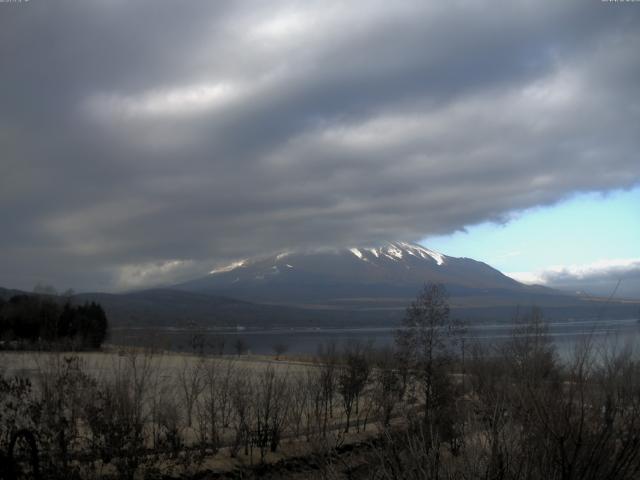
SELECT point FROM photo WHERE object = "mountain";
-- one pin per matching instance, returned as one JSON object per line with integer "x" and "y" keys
{"x": 386, "y": 277}
{"x": 340, "y": 288}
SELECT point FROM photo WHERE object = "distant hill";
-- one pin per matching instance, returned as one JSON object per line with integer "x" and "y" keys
{"x": 179, "y": 309}
{"x": 6, "y": 293}
{"x": 175, "y": 308}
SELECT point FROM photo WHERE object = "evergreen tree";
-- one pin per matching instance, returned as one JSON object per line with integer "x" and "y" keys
{"x": 34, "y": 318}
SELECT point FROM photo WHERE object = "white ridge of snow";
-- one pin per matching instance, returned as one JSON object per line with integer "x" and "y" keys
{"x": 282, "y": 255}
{"x": 393, "y": 252}
{"x": 438, "y": 257}
{"x": 423, "y": 252}
{"x": 228, "y": 268}
{"x": 356, "y": 252}
{"x": 289, "y": 266}
{"x": 374, "y": 252}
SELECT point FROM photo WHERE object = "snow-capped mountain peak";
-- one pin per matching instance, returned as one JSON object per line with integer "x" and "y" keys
{"x": 335, "y": 278}
{"x": 395, "y": 251}
{"x": 228, "y": 268}
{"x": 398, "y": 251}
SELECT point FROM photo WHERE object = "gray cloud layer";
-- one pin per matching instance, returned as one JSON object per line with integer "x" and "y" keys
{"x": 145, "y": 141}
{"x": 619, "y": 278}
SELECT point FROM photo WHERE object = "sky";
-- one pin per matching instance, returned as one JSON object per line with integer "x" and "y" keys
{"x": 587, "y": 242}
{"x": 144, "y": 143}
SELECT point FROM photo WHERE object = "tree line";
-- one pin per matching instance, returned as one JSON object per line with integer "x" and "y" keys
{"x": 27, "y": 320}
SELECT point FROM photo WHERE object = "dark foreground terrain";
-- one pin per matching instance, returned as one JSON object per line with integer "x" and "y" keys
{"x": 424, "y": 410}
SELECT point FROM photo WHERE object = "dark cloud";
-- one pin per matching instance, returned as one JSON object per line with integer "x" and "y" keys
{"x": 150, "y": 140}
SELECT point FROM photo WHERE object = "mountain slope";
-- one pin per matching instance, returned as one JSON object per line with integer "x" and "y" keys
{"x": 175, "y": 308}
{"x": 384, "y": 277}
{"x": 340, "y": 288}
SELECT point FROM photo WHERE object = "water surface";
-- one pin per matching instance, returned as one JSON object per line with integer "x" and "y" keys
{"x": 565, "y": 335}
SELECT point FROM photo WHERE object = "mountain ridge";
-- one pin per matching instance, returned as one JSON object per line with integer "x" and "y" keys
{"x": 329, "y": 277}
{"x": 339, "y": 287}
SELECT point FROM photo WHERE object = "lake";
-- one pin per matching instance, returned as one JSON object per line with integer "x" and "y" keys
{"x": 565, "y": 335}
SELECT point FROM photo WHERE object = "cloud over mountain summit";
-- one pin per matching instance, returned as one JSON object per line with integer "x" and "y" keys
{"x": 143, "y": 138}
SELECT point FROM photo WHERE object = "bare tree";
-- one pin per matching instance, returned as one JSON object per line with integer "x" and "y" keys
{"x": 169, "y": 433}
{"x": 387, "y": 386}
{"x": 116, "y": 416}
{"x": 352, "y": 379}
{"x": 271, "y": 401}
{"x": 241, "y": 395}
{"x": 240, "y": 346}
{"x": 530, "y": 351}
{"x": 299, "y": 403}
{"x": 214, "y": 403}
{"x": 44, "y": 289}
{"x": 190, "y": 380}
{"x": 280, "y": 348}
{"x": 225, "y": 408}
{"x": 159, "y": 389}
{"x": 217, "y": 344}
{"x": 328, "y": 358}
{"x": 316, "y": 404}
{"x": 426, "y": 344}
